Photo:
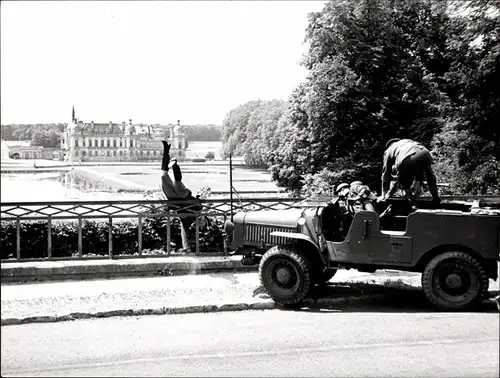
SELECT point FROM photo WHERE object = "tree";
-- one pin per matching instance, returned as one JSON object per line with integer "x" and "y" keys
{"x": 47, "y": 135}
{"x": 249, "y": 130}
{"x": 203, "y": 132}
{"x": 371, "y": 77}
{"x": 468, "y": 149}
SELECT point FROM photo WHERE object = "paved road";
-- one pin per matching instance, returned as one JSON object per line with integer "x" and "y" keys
{"x": 62, "y": 298}
{"x": 349, "y": 343}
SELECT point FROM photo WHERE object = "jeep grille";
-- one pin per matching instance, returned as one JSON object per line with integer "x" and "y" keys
{"x": 261, "y": 234}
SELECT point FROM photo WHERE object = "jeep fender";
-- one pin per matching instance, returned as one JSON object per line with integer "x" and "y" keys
{"x": 296, "y": 235}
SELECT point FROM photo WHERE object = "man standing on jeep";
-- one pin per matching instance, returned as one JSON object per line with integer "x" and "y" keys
{"x": 412, "y": 162}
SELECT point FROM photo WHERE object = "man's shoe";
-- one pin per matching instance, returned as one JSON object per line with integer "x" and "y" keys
{"x": 173, "y": 161}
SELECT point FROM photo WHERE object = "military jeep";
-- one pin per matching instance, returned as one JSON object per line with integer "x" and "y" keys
{"x": 456, "y": 250}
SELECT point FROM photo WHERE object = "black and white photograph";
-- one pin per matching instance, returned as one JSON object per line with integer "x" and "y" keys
{"x": 250, "y": 188}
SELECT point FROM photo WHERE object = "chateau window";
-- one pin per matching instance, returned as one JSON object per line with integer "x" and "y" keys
{"x": 109, "y": 143}
{"x": 131, "y": 143}
{"x": 76, "y": 153}
{"x": 114, "y": 153}
{"x": 121, "y": 142}
{"x": 102, "y": 142}
{"x": 142, "y": 153}
{"x": 109, "y": 153}
{"x": 114, "y": 142}
{"x": 121, "y": 153}
{"x": 84, "y": 153}
{"x": 76, "y": 142}
{"x": 147, "y": 153}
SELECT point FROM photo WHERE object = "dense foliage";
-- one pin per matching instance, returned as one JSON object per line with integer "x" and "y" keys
{"x": 251, "y": 130}
{"x": 378, "y": 69}
{"x": 206, "y": 133}
{"x": 45, "y": 135}
{"x": 467, "y": 148}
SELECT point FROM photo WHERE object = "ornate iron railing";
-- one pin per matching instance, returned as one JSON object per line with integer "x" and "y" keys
{"x": 113, "y": 211}
{"x": 140, "y": 211}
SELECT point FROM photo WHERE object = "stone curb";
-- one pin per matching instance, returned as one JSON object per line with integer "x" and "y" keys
{"x": 268, "y": 305}
{"x": 120, "y": 268}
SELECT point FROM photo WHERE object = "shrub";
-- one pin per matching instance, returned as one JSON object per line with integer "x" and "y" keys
{"x": 95, "y": 235}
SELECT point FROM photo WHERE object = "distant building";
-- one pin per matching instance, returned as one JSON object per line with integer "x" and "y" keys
{"x": 21, "y": 149}
{"x": 89, "y": 141}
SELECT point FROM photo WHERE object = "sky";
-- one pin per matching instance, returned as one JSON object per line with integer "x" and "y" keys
{"x": 152, "y": 62}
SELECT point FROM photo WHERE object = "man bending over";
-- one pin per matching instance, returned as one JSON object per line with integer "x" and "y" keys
{"x": 409, "y": 162}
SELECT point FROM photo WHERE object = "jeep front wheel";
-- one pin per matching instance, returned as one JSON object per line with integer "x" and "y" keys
{"x": 285, "y": 275}
{"x": 455, "y": 281}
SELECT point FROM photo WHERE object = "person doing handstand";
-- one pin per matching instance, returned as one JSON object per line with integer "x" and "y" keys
{"x": 175, "y": 191}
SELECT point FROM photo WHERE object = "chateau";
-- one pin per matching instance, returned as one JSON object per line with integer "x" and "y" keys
{"x": 89, "y": 141}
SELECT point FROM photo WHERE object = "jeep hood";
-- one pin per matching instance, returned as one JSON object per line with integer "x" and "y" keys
{"x": 278, "y": 218}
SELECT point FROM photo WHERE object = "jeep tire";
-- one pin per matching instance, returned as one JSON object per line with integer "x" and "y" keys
{"x": 285, "y": 274}
{"x": 455, "y": 281}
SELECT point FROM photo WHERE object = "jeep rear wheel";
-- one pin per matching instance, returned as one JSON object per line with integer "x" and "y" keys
{"x": 455, "y": 281}
{"x": 285, "y": 275}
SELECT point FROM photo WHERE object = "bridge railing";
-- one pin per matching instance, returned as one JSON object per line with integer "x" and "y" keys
{"x": 163, "y": 215}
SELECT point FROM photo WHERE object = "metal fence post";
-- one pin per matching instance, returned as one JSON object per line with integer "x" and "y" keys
{"x": 197, "y": 235}
{"x": 224, "y": 238}
{"x": 110, "y": 238}
{"x": 139, "y": 235}
{"x": 80, "y": 237}
{"x": 18, "y": 239}
{"x": 168, "y": 235}
{"x": 49, "y": 238}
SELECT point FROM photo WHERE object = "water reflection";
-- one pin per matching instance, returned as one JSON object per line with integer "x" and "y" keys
{"x": 58, "y": 186}
{"x": 75, "y": 180}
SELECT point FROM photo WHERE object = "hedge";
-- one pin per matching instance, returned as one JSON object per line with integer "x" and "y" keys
{"x": 95, "y": 235}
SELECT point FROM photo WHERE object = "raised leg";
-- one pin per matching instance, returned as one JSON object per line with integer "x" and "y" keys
{"x": 166, "y": 156}
{"x": 177, "y": 171}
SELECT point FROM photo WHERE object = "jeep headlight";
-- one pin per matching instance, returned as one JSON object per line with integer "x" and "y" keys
{"x": 301, "y": 221}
